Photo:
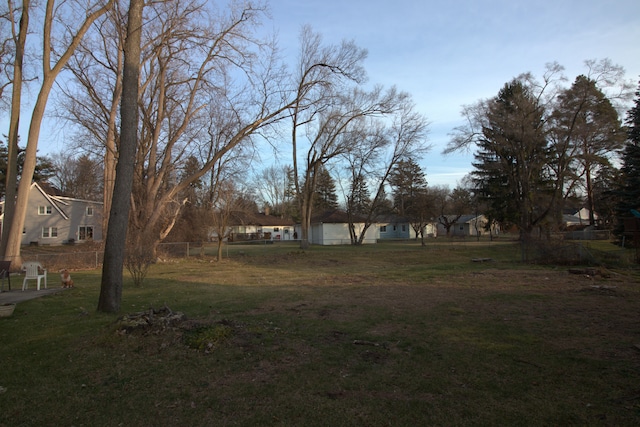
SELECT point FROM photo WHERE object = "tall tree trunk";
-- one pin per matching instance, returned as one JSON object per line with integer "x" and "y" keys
{"x": 109, "y": 178}
{"x": 12, "y": 142}
{"x": 111, "y": 285}
{"x": 219, "y": 251}
{"x": 110, "y": 157}
{"x": 305, "y": 225}
{"x": 14, "y": 239}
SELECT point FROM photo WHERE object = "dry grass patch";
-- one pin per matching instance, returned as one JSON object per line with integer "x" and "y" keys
{"x": 393, "y": 335}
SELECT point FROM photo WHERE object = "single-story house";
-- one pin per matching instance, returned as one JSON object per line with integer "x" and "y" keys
{"x": 394, "y": 227}
{"x": 397, "y": 227}
{"x": 259, "y": 226}
{"x": 52, "y": 219}
{"x": 468, "y": 225}
{"x": 332, "y": 228}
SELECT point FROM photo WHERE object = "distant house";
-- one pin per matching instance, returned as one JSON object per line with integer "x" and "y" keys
{"x": 259, "y": 226}
{"x": 332, "y": 228}
{"x": 397, "y": 227}
{"x": 394, "y": 227}
{"x": 468, "y": 225}
{"x": 53, "y": 219}
{"x": 572, "y": 217}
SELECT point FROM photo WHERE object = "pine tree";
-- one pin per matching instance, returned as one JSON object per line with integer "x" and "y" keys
{"x": 512, "y": 158}
{"x": 590, "y": 130}
{"x": 360, "y": 200}
{"x": 408, "y": 182}
{"x": 43, "y": 172}
{"x": 629, "y": 191}
{"x": 325, "y": 197}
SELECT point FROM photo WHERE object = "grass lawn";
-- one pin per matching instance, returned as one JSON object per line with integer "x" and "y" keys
{"x": 391, "y": 334}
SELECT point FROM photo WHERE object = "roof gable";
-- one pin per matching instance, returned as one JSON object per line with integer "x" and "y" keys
{"x": 49, "y": 199}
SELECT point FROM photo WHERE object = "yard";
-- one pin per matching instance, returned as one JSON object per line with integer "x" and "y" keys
{"x": 388, "y": 334}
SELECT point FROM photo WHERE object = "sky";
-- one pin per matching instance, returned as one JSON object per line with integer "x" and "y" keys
{"x": 450, "y": 53}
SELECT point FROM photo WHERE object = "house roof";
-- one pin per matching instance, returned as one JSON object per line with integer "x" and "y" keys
{"x": 335, "y": 216}
{"x": 55, "y": 194}
{"x": 50, "y": 199}
{"x": 464, "y": 218}
{"x": 248, "y": 218}
{"x": 392, "y": 219}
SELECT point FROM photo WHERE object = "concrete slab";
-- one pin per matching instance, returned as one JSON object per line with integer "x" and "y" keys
{"x": 16, "y": 296}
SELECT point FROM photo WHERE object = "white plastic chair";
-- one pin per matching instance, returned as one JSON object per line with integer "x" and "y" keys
{"x": 32, "y": 271}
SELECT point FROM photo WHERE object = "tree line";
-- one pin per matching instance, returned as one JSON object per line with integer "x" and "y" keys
{"x": 181, "y": 104}
{"x": 541, "y": 146}
{"x": 209, "y": 85}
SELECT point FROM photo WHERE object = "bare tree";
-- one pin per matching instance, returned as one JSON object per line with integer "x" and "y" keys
{"x": 76, "y": 23}
{"x": 377, "y": 155}
{"x": 231, "y": 89}
{"x": 227, "y": 203}
{"x": 272, "y": 183}
{"x": 321, "y": 108}
{"x": 445, "y": 214}
{"x": 92, "y": 103}
{"x": 327, "y": 138}
{"x": 79, "y": 177}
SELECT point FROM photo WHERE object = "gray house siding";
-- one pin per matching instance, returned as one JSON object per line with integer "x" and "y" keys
{"x": 85, "y": 218}
{"x": 395, "y": 230}
{"x": 54, "y": 220}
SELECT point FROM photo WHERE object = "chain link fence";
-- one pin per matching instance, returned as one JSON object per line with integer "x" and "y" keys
{"x": 70, "y": 260}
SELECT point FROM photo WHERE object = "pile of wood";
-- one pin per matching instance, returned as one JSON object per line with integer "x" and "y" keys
{"x": 152, "y": 319}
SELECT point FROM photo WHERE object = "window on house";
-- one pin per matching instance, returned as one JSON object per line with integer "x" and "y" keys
{"x": 383, "y": 228}
{"x": 395, "y": 228}
{"x": 44, "y": 210}
{"x": 49, "y": 232}
{"x": 85, "y": 232}
{"x": 404, "y": 228}
{"x": 89, "y": 210}
{"x": 275, "y": 229}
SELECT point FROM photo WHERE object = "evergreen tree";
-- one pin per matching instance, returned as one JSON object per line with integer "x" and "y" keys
{"x": 512, "y": 159}
{"x": 359, "y": 200}
{"x": 325, "y": 197}
{"x": 44, "y": 168}
{"x": 629, "y": 190}
{"x": 408, "y": 182}
{"x": 589, "y": 131}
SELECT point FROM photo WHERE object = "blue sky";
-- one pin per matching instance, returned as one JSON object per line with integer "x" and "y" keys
{"x": 448, "y": 53}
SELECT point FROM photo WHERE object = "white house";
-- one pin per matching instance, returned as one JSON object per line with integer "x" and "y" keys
{"x": 468, "y": 225}
{"x": 53, "y": 220}
{"x": 573, "y": 217}
{"x": 332, "y": 228}
{"x": 397, "y": 227}
{"x": 258, "y": 226}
